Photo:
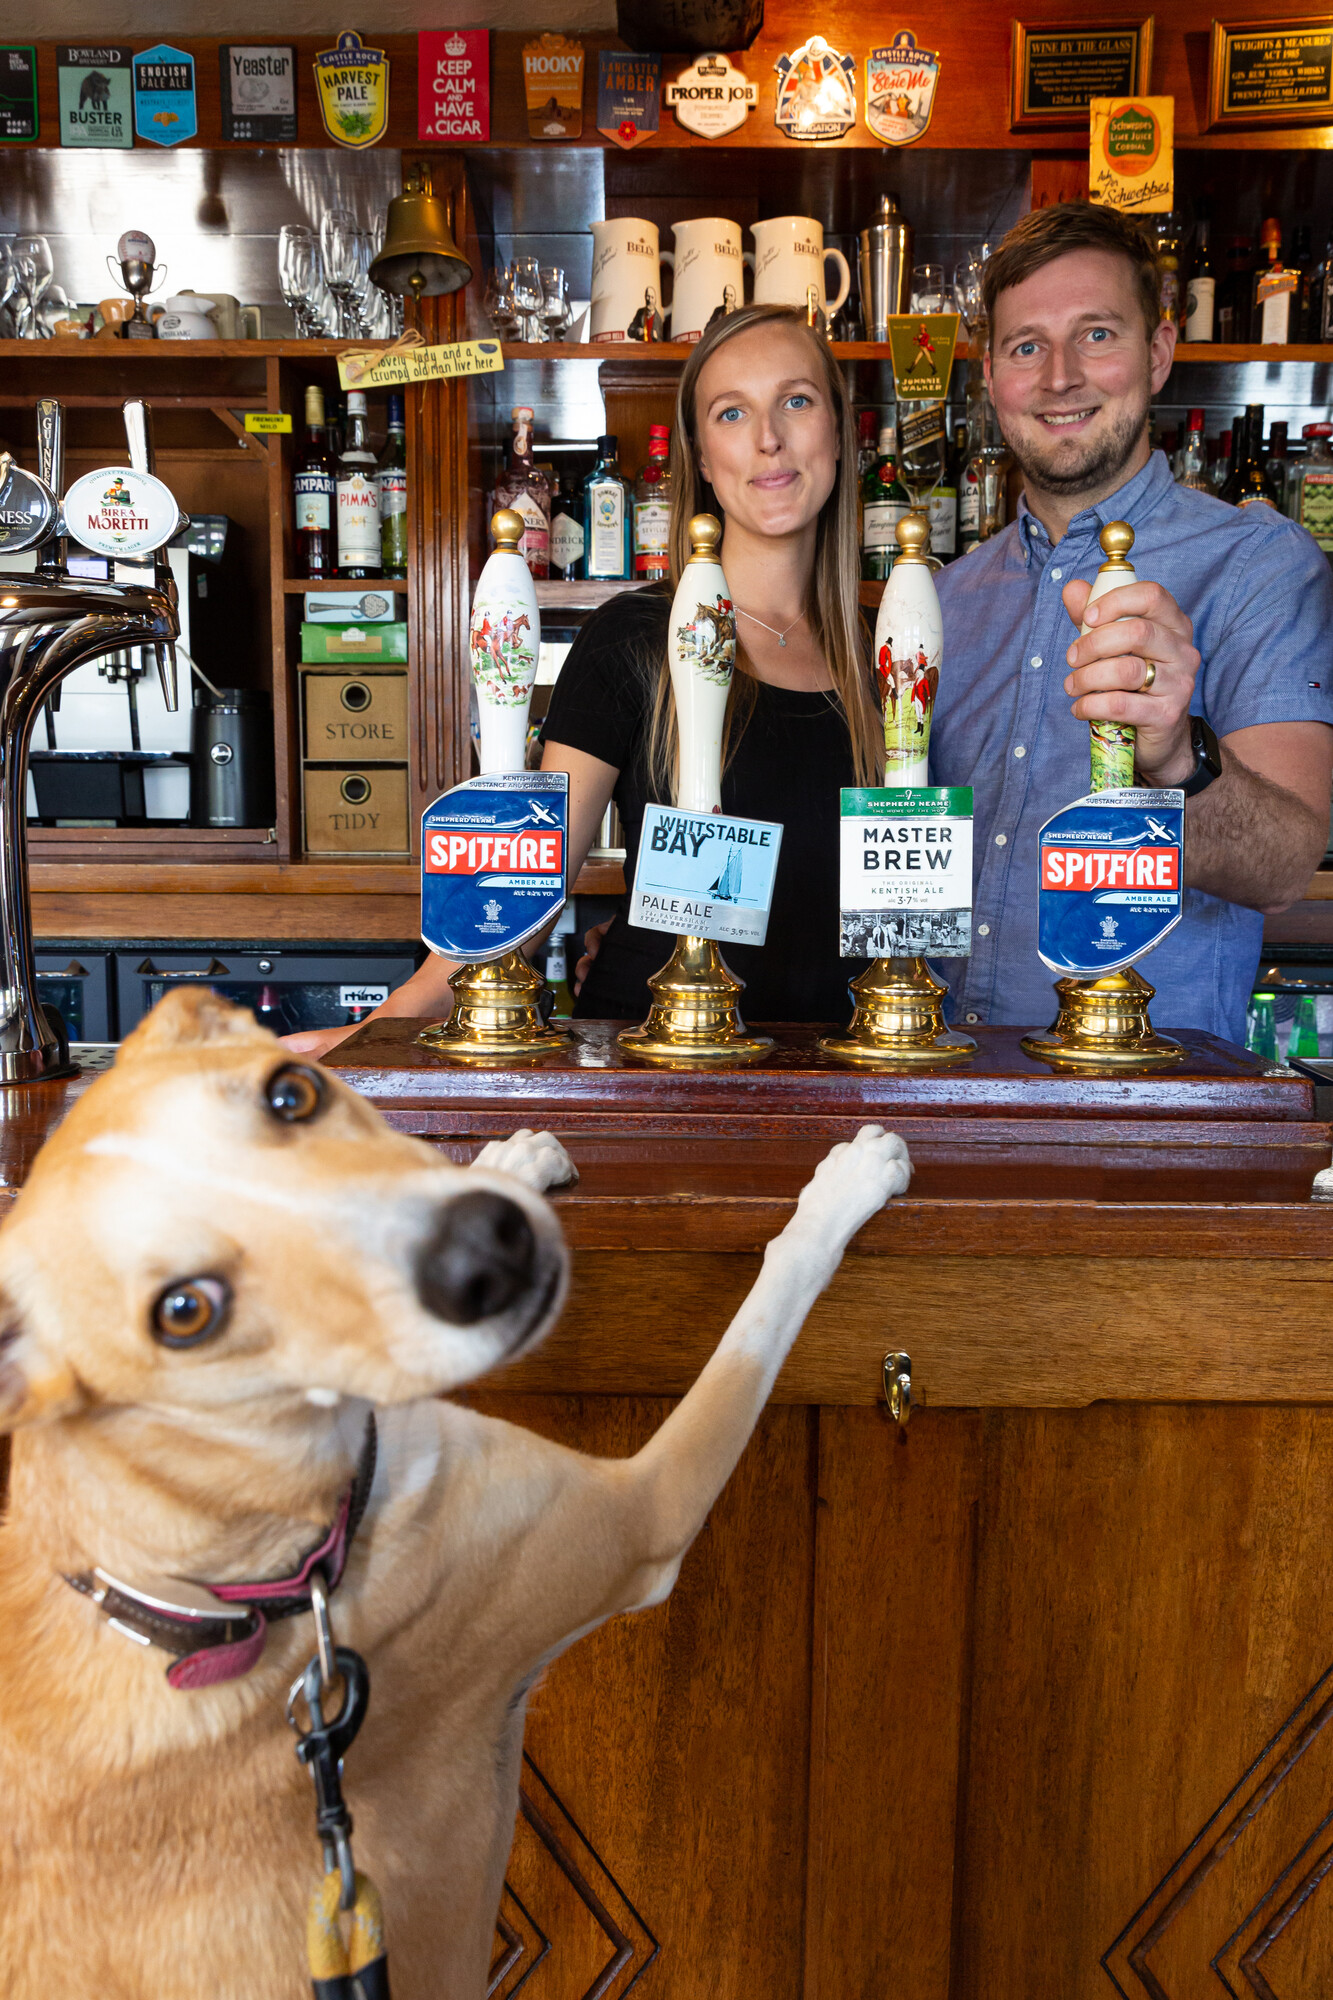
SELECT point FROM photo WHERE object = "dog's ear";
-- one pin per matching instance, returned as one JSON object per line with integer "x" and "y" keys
{"x": 35, "y": 1384}
{"x": 187, "y": 1018}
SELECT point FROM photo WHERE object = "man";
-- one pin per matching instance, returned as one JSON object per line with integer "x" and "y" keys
{"x": 1230, "y": 622}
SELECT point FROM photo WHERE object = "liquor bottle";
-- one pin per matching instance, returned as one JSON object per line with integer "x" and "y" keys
{"x": 1166, "y": 229}
{"x": 1275, "y": 286}
{"x": 884, "y": 501}
{"x": 1248, "y": 483}
{"x": 1219, "y": 465}
{"x": 1233, "y": 293}
{"x": 527, "y": 490}
{"x": 942, "y": 509}
{"x": 1304, "y": 1030}
{"x": 567, "y": 540}
{"x": 1311, "y": 501}
{"x": 1261, "y": 1036}
{"x": 607, "y": 518}
{"x": 1194, "y": 457}
{"x": 1321, "y": 301}
{"x": 313, "y": 494}
{"x": 557, "y": 974}
{"x": 652, "y": 510}
{"x": 357, "y": 495}
{"x": 335, "y": 416}
{"x": 392, "y": 481}
{"x": 867, "y": 430}
{"x": 1303, "y": 313}
{"x": 1278, "y": 466}
{"x": 1201, "y": 295}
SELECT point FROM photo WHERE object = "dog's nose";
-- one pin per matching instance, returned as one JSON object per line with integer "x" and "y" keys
{"x": 480, "y": 1257}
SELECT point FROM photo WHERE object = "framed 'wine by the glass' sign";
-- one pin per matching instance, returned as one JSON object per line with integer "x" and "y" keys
{"x": 1058, "y": 67}
{"x": 1271, "y": 72}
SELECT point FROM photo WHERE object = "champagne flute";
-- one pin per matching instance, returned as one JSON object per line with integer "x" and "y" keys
{"x": 337, "y": 242}
{"x": 298, "y": 274}
{"x": 32, "y": 259}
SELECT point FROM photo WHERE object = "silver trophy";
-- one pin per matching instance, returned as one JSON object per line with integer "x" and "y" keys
{"x": 135, "y": 265}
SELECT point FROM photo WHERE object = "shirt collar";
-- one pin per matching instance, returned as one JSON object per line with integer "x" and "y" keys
{"x": 1132, "y": 502}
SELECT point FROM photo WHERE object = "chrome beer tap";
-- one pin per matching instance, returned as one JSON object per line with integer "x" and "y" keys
{"x": 51, "y": 623}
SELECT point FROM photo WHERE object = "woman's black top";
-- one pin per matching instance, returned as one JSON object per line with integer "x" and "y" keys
{"x": 789, "y": 765}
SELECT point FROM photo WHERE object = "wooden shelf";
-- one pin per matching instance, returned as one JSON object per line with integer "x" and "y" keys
{"x": 298, "y": 586}
{"x": 654, "y": 353}
{"x": 372, "y": 877}
{"x": 553, "y": 595}
{"x": 1208, "y": 350}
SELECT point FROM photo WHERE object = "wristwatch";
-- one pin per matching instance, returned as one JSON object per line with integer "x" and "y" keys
{"x": 1207, "y": 759}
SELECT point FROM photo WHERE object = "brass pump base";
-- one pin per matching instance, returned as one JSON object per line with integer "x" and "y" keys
{"x": 694, "y": 1021}
{"x": 496, "y": 1018}
{"x": 899, "y": 1020}
{"x": 1103, "y": 1024}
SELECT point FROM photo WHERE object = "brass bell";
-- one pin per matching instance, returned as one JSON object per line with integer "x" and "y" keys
{"x": 419, "y": 254}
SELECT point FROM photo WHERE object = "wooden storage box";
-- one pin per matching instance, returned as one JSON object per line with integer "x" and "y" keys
{"x": 355, "y": 809}
{"x": 355, "y": 715}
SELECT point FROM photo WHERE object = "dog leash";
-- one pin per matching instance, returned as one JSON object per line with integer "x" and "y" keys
{"x": 355, "y": 1968}
{"x": 193, "y": 1622}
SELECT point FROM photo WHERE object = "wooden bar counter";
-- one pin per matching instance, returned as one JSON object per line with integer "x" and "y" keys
{"x": 1025, "y": 1701}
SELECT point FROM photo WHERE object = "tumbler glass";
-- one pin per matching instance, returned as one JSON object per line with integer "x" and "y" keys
{"x": 928, "y": 289}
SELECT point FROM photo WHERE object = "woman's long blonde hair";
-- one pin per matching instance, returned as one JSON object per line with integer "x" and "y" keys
{"x": 832, "y": 608}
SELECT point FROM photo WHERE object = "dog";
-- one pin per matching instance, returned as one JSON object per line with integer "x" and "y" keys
{"x": 222, "y": 1262}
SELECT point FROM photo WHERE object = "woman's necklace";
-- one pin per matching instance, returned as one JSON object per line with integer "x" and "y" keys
{"x": 781, "y": 637}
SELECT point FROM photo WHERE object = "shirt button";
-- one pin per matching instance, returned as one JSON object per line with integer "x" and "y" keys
{"x": 1020, "y": 750}
{"x": 1036, "y": 659}
{"x": 1056, "y": 574}
{"x": 1001, "y": 840}
{"x": 983, "y": 930}
{"x": 971, "y": 1017}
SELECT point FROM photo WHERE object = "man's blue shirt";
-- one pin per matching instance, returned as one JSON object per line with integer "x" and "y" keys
{"x": 1260, "y": 596}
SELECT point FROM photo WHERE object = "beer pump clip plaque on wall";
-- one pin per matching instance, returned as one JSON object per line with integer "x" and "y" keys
{"x": 816, "y": 92}
{"x": 900, "y": 89}
{"x": 352, "y": 83}
{"x": 711, "y": 97}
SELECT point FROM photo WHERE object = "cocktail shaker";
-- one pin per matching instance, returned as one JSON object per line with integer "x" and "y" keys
{"x": 886, "y": 267}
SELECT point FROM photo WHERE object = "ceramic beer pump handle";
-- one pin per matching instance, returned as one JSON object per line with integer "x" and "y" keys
{"x": 1103, "y": 1023}
{"x": 1112, "y": 743}
{"x": 694, "y": 1021}
{"x": 898, "y": 1022}
{"x": 505, "y": 641}
{"x": 496, "y": 1021}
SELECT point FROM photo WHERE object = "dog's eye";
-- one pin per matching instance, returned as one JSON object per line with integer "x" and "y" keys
{"x": 294, "y": 1092}
{"x": 191, "y": 1311}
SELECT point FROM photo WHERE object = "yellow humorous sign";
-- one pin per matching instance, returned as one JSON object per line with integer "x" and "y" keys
{"x": 1131, "y": 154}
{"x": 353, "y": 85}
{"x": 401, "y": 365}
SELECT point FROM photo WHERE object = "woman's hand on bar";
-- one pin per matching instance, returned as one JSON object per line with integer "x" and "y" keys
{"x": 425, "y": 996}
{"x": 1137, "y": 624}
{"x": 592, "y": 944}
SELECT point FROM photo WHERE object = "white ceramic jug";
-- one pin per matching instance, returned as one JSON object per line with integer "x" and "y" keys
{"x": 789, "y": 257}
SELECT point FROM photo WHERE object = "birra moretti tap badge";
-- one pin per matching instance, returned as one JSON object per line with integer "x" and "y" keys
{"x": 493, "y": 862}
{"x": 1112, "y": 868}
{"x": 119, "y": 512}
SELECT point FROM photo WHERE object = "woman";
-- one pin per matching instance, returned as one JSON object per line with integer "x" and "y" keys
{"x": 764, "y": 439}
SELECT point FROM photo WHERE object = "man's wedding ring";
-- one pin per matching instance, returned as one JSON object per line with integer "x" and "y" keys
{"x": 1149, "y": 676}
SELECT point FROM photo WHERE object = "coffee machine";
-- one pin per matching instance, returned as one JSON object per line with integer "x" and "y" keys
{"x": 50, "y": 623}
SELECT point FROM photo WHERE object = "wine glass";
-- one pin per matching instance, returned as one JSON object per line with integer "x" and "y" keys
{"x": 967, "y": 286}
{"x": 32, "y": 261}
{"x": 928, "y": 293}
{"x": 528, "y": 299}
{"x": 338, "y": 244}
{"x": 555, "y": 300}
{"x": 299, "y": 274}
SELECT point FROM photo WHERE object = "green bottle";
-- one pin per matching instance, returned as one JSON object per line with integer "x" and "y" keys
{"x": 1262, "y": 1038}
{"x": 884, "y": 501}
{"x": 391, "y": 475}
{"x": 1305, "y": 1030}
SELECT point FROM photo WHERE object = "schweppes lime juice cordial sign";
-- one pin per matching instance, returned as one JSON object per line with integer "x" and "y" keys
{"x": 353, "y": 85}
{"x": 1131, "y": 154}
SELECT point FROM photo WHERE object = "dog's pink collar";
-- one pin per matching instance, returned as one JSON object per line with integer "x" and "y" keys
{"x": 210, "y": 1644}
